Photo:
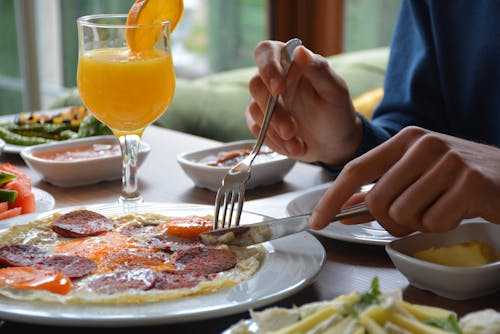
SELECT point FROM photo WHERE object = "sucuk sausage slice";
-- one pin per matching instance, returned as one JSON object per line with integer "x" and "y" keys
{"x": 81, "y": 223}
{"x": 17, "y": 255}
{"x": 140, "y": 278}
{"x": 205, "y": 260}
{"x": 71, "y": 265}
{"x": 167, "y": 280}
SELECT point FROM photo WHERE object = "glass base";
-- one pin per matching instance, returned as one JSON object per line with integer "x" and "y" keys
{"x": 130, "y": 203}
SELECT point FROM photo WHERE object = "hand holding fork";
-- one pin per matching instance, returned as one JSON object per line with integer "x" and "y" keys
{"x": 231, "y": 194}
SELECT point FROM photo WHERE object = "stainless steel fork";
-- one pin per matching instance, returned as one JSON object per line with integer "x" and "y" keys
{"x": 231, "y": 194}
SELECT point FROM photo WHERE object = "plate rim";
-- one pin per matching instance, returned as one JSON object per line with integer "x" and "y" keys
{"x": 32, "y": 313}
{"x": 337, "y": 230}
{"x": 42, "y": 196}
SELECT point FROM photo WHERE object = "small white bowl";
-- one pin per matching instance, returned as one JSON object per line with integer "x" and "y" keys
{"x": 264, "y": 171}
{"x": 75, "y": 173}
{"x": 459, "y": 283}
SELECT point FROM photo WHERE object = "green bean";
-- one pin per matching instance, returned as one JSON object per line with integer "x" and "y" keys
{"x": 91, "y": 126}
{"x": 28, "y": 133}
{"x": 68, "y": 134}
{"x": 17, "y": 139}
{"x": 41, "y": 128}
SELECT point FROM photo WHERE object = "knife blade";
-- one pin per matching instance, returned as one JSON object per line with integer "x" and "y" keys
{"x": 251, "y": 234}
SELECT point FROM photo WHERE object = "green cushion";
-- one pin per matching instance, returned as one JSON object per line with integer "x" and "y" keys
{"x": 214, "y": 106}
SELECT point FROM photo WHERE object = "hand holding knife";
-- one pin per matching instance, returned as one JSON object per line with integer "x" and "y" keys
{"x": 251, "y": 234}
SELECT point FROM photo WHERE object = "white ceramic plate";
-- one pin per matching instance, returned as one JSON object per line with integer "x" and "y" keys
{"x": 369, "y": 233}
{"x": 2, "y": 146}
{"x": 264, "y": 171}
{"x": 16, "y": 149}
{"x": 74, "y": 173}
{"x": 44, "y": 201}
{"x": 291, "y": 264}
{"x": 458, "y": 283}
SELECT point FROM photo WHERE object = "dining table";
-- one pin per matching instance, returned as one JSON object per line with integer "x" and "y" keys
{"x": 348, "y": 266}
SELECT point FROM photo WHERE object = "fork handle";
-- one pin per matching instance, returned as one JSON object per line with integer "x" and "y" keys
{"x": 271, "y": 103}
{"x": 286, "y": 59}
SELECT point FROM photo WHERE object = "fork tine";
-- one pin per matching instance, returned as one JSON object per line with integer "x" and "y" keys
{"x": 218, "y": 199}
{"x": 241, "y": 199}
{"x": 234, "y": 195}
{"x": 224, "y": 210}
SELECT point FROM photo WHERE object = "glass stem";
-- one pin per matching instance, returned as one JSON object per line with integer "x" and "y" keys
{"x": 129, "y": 145}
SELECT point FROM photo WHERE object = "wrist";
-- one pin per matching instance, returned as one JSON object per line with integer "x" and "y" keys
{"x": 344, "y": 151}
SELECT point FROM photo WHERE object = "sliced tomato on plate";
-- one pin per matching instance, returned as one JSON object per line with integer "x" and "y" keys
{"x": 186, "y": 227}
{"x": 24, "y": 202}
{"x": 14, "y": 212}
{"x": 22, "y": 176}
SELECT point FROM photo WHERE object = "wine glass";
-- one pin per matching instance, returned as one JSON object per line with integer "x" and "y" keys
{"x": 126, "y": 90}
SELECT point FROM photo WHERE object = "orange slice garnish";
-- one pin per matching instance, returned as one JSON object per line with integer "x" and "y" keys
{"x": 144, "y": 12}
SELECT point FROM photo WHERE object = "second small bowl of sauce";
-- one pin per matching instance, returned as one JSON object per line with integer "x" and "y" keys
{"x": 79, "y": 162}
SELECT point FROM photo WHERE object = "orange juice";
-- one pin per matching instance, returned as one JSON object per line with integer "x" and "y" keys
{"x": 126, "y": 91}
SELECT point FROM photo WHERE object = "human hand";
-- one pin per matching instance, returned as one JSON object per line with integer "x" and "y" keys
{"x": 314, "y": 119}
{"x": 427, "y": 182}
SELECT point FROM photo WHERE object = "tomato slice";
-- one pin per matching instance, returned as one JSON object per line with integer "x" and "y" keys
{"x": 27, "y": 203}
{"x": 4, "y": 206}
{"x": 14, "y": 212}
{"x": 186, "y": 227}
{"x": 36, "y": 279}
{"x": 9, "y": 168}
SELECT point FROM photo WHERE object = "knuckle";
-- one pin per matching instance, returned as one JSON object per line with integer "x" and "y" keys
{"x": 413, "y": 132}
{"x": 353, "y": 169}
{"x": 261, "y": 46}
{"x": 398, "y": 214}
{"x": 432, "y": 142}
{"x": 473, "y": 177}
{"x": 454, "y": 160}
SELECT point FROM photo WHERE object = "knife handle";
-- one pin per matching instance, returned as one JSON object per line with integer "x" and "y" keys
{"x": 351, "y": 211}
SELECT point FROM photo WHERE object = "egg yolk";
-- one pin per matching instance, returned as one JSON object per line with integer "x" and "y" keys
{"x": 33, "y": 278}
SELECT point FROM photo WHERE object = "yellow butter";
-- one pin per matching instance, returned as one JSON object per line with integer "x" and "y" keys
{"x": 465, "y": 254}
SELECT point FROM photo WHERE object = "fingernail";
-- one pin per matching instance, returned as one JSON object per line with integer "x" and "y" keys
{"x": 312, "y": 222}
{"x": 288, "y": 145}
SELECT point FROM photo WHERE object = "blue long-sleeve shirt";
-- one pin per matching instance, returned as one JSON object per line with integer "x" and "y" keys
{"x": 443, "y": 72}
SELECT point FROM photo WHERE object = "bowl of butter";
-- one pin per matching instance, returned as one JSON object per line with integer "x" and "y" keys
{"x": 460, "y": 264}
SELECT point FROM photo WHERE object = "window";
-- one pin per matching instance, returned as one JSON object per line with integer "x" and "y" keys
{"x": 50, "y": 41}
{"x": 369, "y": 23}
{"x": 38, "y": 53}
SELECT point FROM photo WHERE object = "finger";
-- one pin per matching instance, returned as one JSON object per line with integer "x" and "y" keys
{"x": 355, "y": 199}
{"x": 397, "y": 197}
{"x": 316, "y": 70}
{"x": 363, "y": 170}
{"x": 258, "y": 91}
{"x": 255, "y": 118}
{"x": 361, "y": 219}
{"x": 391, "y": 227}
{"x": 281, "y": 121}
{"x": 449, "y": 204}
{"x": 370, "y": 167}
{"x": 267, "y": 57}
{"x": 446, "y": 212}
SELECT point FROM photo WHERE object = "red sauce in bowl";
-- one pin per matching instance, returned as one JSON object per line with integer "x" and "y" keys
{"x": 80, "y": 153}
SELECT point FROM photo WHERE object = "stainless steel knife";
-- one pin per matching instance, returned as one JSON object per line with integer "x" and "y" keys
{"x": 251, "y": 234}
